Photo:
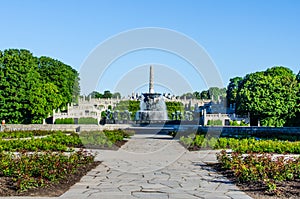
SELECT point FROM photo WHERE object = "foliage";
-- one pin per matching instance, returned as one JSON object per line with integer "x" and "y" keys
{"x": 134, "y": 106}
{"x": 64, "y": 121}
{"x": 235, "y": 123}
{"x": 214, "y": 123}
{"x": 26, "y": 134}
{"x": 173, "y": 107}
{"x": 262, "y": 168}
{"x": 232, "y": 89}
{"x": 270, "y": 96}
{"x": 107, "y": 94}
{"x": 204, "y": 95}
{"x": 130, "y": 105}
{"x": 29, "y": 89}
{"x": 196, "y": 95}
{"x": 247, "y": 145}
{"x": 103, "y": 138}
{"x": 116, "y": 95}
{"x": 187, "y": 96}
{"x": 57, "y": 141}
{"x": 187, "y": 141}
{"x": 268, "y": 146}
{"x": 215, "y": 93}
{"x": 87, "y": 120}
{"x": 38, "y": 169}
{"x": 61, "y": 75}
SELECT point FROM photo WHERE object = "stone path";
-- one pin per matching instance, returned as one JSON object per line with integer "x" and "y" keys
{"x": 154, "y": 168}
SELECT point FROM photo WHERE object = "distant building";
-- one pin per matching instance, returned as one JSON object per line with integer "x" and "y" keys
{"x": 203, "y": 110}
{"x": 213, "y": 111}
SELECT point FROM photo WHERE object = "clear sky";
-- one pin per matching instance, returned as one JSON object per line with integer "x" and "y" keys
{"x": 239, "y": 36}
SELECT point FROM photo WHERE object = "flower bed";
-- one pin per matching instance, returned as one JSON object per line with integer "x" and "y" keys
{"x": 245, "y": 145}
{"x": 29, "y": 162}
{"x": 262, "y": 168}
{"x": 104, "y": 139}
{"x": 265, "y": 170}
{"x": 39, "y": 169}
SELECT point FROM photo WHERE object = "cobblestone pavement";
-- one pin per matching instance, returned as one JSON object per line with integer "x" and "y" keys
{"x": 154, "y": 168}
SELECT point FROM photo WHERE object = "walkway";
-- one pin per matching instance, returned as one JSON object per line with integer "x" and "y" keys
{"x": 154, "y": 168}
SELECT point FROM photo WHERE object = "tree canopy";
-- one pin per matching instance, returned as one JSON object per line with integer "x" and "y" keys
{"x": 272, "y": 96}
{"x": 31, "y": 87}
{"x": 107, "y": 94}
{"x": 232, "y": 89}
{"x": 214, "y": 92}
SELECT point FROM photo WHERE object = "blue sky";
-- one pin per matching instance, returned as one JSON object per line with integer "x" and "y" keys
{"x": 239, "y": 36}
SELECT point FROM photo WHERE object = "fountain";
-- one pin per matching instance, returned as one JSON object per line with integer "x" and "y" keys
{"x": 152, "y": 106}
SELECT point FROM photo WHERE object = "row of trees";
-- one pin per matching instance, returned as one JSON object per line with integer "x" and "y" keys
{"x": 212, "y": 93}
{"x": 31, "y": 87}
{"x": 107, "y": 94}
{"x": 271, "y": 97}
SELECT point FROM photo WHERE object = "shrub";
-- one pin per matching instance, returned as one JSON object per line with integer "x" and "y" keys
{"x": 246, "y": 145}
{"x": 214, "y": 123}
{"x": 104, "y": 138}
{"x": 38, "y": 169}
{"x": 64, "y": 121}
{"x": 261, "y": 168}
{"x": 87, "y": 120}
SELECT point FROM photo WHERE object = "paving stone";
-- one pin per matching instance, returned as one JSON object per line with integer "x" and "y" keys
{"x": 150, "y": 195}
{"x": 153, "y": 168}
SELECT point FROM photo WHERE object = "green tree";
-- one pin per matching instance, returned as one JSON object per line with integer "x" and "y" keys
{"x": 204, "y": 95}
{"x": 107, "y": 94}
{"x": 26, "y": 95}
{"x": 196, "y": 95}
{"x": 215, "y": 93}
{"x": 129, "y": 105}
{"x": 232, "y": 89}
{"x": 295, "y": 121}
{"x": 270, "y": 96}
{"x": 187, "y": 96}
{"x": 44, "y": 98}
{"x": 116, "y": 95}
{"x": 63, "y": 76}
{"x": 173, "y": 107}
{"x": 95, "y": 94}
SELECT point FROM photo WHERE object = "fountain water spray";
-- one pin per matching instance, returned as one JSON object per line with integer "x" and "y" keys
{"x": 152, "y": 106}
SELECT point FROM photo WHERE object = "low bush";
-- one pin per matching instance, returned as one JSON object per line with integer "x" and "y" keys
{"x": 64, "y": 121}
{"x": 26, "y": 134}
{"x": 261, "y": 168}
{"x": 235, "y": 123}
{"x": 38, "y": 169}
{"x": 214, "y": 123}
{"x": 246, "y": 145}
{"x": 104, "y": 138}
{"x": 57, "y": 141}
{"x": 87, "y": 120}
